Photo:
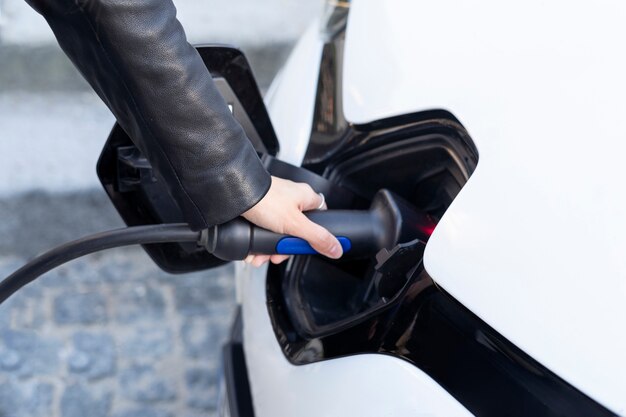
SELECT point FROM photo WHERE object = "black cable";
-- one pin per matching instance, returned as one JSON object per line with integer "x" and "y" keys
{"x": 136, "y": 235}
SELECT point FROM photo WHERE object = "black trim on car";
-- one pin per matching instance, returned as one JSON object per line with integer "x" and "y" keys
{"x": 479, "y": 367}
{"x": 236, "y": 373}
{"x": 329, "y": 123}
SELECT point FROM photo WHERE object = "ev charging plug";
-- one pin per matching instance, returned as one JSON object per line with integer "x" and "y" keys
{"x": 390, "y": 220}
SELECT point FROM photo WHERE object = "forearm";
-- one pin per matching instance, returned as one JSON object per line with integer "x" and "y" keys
{"x": 135, "y": 55}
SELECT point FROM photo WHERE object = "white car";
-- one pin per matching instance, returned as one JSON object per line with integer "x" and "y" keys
{"x": 499, "y": 120}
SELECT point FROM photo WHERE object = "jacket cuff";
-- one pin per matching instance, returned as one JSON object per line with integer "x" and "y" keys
{"x": 241, "y": 189}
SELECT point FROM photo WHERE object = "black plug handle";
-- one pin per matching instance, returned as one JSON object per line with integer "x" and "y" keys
{"x": 360, "y": 232}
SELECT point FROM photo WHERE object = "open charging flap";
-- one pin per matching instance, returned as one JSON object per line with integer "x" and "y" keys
{"x": 138, "y": 192}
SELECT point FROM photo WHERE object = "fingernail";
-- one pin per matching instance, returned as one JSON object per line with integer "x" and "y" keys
{"x": 336, "y": 252}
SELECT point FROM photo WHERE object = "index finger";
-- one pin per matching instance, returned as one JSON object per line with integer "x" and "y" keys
{"x": 318, "y": 237}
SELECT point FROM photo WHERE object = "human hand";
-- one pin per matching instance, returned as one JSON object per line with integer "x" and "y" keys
{"x": 281, "y": 211}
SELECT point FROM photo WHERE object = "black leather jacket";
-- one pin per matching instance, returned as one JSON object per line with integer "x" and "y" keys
{"x": 135, "y": 55}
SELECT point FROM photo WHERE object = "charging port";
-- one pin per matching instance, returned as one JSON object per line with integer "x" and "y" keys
{"x": 318, "y": 300}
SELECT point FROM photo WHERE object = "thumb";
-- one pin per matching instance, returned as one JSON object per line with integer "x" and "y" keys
{"x": 318, "y": 237}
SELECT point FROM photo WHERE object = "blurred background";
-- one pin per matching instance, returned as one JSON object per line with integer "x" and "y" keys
{"x": 108, "y": 334}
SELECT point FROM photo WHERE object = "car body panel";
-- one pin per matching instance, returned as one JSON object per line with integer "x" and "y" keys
{"x": 291, "y": 97}
{"x": 534, "y": 244}
{"x": 361, "y": 385}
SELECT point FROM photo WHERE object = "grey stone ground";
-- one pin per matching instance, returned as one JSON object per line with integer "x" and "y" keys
{"x": 108, "y": 335}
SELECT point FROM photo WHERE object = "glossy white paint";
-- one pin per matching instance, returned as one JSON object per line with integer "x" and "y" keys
{"x": 291, "y": 97}
{"x": 364, "y": 385}
{"x": 535, "y": 244}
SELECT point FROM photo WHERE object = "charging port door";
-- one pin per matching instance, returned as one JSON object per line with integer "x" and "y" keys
{"x": 139, "y": 193}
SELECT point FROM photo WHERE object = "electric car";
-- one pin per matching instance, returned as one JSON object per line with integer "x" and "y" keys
{"x": 498, "y": 122}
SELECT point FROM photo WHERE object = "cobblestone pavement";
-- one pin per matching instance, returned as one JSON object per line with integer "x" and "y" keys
{"x": 109, "y": 334}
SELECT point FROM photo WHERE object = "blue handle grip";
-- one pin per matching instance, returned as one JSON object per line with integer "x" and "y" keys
{"x": 297, "y": 246}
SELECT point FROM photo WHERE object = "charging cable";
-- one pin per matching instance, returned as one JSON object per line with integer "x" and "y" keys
{"x": 135, "y": 235}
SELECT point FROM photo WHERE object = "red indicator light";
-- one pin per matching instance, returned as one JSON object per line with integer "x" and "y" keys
{"x": 426, "y": 224}
{"x": 428, "y": 230}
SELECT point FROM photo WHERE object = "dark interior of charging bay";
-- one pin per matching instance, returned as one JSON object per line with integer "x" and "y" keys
{"x": 427, "y": 166}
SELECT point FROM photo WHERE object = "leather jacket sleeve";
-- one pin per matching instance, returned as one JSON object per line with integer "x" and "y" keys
{"x": 135, "y": 55}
